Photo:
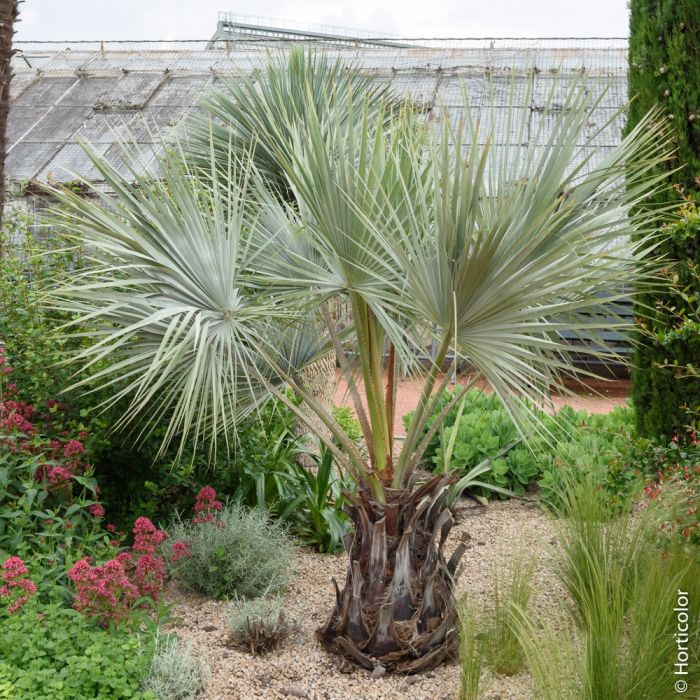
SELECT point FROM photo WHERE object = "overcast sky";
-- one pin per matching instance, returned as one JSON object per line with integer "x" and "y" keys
{"x": 196, "y": 19}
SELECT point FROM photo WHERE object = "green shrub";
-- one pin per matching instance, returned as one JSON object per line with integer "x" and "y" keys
{"x": 175, "y": 673}
{"x": 479, "y": 431}
{"x": 253, "y": 468}
{"x": 28, "y": 332}
{"x": 345, "y": 418}
{"x": 258, "y": 625}
{"x": 664, "y": 72}
{"x": 240, "y": 552}
{"x": 484, "y": 429}
{"x": 54, "y": 653}
{"x": 602, "y": 447}
{"x": 26, "y": 329}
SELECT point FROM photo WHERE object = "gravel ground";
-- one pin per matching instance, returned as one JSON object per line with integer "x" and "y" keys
{"x": 299, "y": 668}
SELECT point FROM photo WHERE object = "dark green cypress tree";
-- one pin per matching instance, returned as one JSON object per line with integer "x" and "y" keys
{"x": 664, "y": 69}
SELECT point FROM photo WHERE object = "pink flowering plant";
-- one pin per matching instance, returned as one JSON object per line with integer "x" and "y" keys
{"x": 50, "y": 512}
{"x": 16, "y": 588}
{"x": 133, "y": 579}
{"x": 206, "y": 505}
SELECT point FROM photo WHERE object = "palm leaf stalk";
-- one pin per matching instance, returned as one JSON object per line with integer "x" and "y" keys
{"x": 209, "y": 293}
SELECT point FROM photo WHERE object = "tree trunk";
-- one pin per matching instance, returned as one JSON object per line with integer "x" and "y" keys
{"x": 8, "y": 16}
{"x": 397, "y": 607}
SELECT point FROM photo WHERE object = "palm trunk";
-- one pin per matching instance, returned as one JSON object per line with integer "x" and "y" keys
{"x": 8, "y": 16}
{"x": 397, "y": 607}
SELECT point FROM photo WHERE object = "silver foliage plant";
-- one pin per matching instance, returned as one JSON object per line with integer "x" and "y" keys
{"x": 175, "y": 672}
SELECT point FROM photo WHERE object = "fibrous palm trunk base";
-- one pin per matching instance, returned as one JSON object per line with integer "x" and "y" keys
{"x": 397, "y": 607}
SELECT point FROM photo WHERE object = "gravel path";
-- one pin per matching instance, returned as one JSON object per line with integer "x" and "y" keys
{"x": 299, "y": 668}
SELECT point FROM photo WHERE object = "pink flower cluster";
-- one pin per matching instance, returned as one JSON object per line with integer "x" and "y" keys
{"x": 59, "y": 477}
{"x": 179, "y": 550}
{"x": 206, "y": 505}
{"x": 22, "y": 427}
{"x": 73, "y": 447}
{"x": 16, "y": 417}
{"x": 16, "y": 586}
{"x": 103, "y": 592}
{"x": 147, "y": 537}
{"x": 107, "y": 592}
{"x": 97, "y": 511}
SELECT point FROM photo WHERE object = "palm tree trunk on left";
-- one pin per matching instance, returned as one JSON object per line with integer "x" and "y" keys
{"x": 8, "y": 17}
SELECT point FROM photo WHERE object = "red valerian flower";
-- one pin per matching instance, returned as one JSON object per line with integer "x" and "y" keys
{"x": 179, "y": 550}
{"x": 97, "y": 510}
{"x": 16, "y": 586}
{"x": 103, "y": 592}
{"x": 147, "y": 537}
{"x": 149, "y": 575}
{"x": 73, "y": 447}
{"x": 205, "y": 505}
{"x": 59, "y": 477}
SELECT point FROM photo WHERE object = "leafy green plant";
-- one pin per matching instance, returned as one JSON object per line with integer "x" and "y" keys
{"x": 484, "y": 443}
{"x": 50, "y": 512}
{"x": 315, "y": 514}
{"x": 252, "y": 467}
{"x": 175, "y": 673}
{"x": 345, "y": 419}
{"x": 26, "y": 330}
{"x": 238, "y": 552}
{"x": 664, "y": 71}
{"x": 30, "y": 335}
{"x": 258, "y": 625}
{"x": 51, "y": 652}
{"x": 601, "y": 447}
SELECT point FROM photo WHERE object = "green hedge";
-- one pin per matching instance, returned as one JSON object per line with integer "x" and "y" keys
{"x": 664, "y": 69}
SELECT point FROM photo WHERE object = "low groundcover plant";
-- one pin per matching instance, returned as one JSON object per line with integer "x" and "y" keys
{"x": 258, "y": 625}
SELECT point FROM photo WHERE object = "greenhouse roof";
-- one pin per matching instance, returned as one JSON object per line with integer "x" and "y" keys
{"x": 101, "y": 92}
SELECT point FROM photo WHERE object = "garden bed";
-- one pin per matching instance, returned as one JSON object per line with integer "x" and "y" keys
{"x": 300, "y": 668}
